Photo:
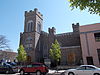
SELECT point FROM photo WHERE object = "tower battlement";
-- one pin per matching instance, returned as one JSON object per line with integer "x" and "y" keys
{"x": 32, "y": 12}
{"x": 75, "y": 27}
{"x": 52, "y": 30}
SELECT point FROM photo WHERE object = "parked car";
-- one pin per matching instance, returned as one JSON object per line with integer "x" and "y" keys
{"x": 13, "y": 68}
{"x": 5, "y": 69}
{"x": 84, "y": 70}
{"x": 12, "y": 63}
{"x": 37, "y": 68}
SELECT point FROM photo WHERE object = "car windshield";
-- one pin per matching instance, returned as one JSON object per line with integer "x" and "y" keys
{"x": 90, "y": 68}
{"x": 81, "y": 68}
{"x": 29, "y": 65}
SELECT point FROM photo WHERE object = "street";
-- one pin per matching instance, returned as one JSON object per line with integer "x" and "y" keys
{"x": 51, "y": 72}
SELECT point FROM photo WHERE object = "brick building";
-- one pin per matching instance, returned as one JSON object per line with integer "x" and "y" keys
{"x": 8, "y": 56}
{"x": 90, "y": 43}
{"x": 37, "y": 43}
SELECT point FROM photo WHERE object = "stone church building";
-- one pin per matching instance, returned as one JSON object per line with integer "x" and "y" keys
{"x": 37, "y": 43}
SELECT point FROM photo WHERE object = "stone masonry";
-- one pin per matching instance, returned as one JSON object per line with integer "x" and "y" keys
{"x": 37, "y": 43}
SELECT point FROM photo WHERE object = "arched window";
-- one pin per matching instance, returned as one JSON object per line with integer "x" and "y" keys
{"x": 29, "y": 40}
{"x": 39, "y": 27}
{"x": 28, "y": 45}
{"x": 29, "y": 26}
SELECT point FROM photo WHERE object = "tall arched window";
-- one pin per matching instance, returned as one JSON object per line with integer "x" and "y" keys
{"x": 29, "y": 26}
{"x": 39, "y": 27}
{"x": 29, "y": 45}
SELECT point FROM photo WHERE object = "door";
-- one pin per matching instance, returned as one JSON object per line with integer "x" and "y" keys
{"x": 71, "y": 58}
{"x": 89, "y": 60}
{"x": 28, "y": 59}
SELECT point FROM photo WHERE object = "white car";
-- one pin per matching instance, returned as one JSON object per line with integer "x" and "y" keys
{"x": 84, "y": 70}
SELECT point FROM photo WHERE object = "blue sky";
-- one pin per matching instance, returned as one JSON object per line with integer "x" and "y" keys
{"x": 56, "y": 13}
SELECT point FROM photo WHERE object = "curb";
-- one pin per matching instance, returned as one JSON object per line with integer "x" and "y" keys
{"x": 54, "y": 73}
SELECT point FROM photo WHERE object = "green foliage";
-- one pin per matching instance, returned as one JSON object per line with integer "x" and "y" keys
{"x": 55, "y": 51}
{"x": 92, "y": 5}
{"x": 22, "y": 56}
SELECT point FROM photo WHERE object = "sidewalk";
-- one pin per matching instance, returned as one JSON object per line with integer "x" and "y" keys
{"x": 54, "y": 72}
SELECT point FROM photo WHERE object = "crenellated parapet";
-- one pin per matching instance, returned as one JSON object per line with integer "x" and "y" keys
{"x": 75, "y": 27}
{"x": 52, "y": 31}
{"x": 32, "y": 12}
{"x": 65, "y": 34}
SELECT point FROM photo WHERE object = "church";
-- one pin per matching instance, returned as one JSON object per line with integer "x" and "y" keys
{"x": 37, "y": 43}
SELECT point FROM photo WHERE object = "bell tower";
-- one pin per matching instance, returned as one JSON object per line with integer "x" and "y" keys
{"x": 33, "y": 21}
{"x": 32, "y": 30}
{"x": 33, "y": 24}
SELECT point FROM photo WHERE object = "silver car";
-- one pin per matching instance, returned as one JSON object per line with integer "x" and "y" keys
{"x": 84, "y": 70}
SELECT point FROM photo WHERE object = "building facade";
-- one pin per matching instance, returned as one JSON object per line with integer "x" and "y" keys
{"x": 8, "y": 56}
{"x": 90, "y": 43}
{"x": 37, "y": 43}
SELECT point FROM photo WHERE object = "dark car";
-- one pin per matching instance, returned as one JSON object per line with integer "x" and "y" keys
{"x": 8, "y": 68}
{"x": 37, "y": 68}
{"x": 12, "y": 63}
{"x": 5, "y": 69}
{"x": 14, "y": 67}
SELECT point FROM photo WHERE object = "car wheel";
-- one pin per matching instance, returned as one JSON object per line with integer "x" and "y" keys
{"x": 22, "y": 72}
{"x": 96, "y": 74}
{"x": 71, "y": 73}
{"x": 38, "y": 73}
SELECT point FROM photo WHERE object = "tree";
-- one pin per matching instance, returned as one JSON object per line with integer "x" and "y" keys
{"x": 3, "y": 42}
{"x": 22, "y": 56}
{"x": 55, "y": 52}
{"x": 92, "y": 5}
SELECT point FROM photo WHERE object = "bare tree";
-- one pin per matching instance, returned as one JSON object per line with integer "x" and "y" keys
{"x": 3, "y": 42}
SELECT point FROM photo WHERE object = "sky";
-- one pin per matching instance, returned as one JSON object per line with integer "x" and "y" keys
{"x": 56, "y": 13}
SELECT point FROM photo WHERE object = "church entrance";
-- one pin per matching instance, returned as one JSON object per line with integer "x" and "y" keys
{"x": 71, "y": 58}
{"x": 28, "y": 59}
